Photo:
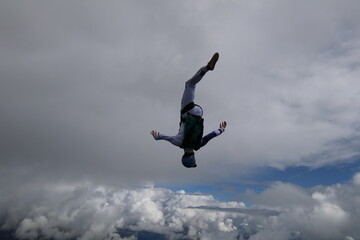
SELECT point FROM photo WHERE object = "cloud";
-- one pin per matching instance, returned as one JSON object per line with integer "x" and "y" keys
{"x": 91, "y": 212}
{"x": 356, "y": 179}
{"x": 88, "y": 211}
{"x": 316, "y": 213}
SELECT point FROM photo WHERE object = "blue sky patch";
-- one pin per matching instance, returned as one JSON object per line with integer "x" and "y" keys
{"x": 303, "y": 176}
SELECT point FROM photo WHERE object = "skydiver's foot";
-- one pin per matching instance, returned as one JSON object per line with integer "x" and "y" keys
{"x": 211, "y": 64}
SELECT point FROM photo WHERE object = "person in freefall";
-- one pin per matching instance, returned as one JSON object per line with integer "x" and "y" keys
{"x": 188, "y": 108}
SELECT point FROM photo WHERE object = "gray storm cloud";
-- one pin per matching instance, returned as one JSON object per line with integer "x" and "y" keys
{"x": 83, "y": 83}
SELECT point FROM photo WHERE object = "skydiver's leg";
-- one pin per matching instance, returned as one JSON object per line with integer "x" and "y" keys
{"x": 189, "y": 92}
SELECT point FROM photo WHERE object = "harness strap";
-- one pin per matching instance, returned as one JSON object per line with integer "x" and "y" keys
{"x": 188, "y": 107}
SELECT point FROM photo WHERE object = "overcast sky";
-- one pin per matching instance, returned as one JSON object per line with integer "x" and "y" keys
{"x": 82, "y": 83}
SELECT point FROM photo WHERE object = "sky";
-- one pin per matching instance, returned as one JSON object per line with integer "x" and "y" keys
{"x": 82, "y": 84}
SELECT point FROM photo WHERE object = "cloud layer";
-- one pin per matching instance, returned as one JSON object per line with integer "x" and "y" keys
{"x": 283, "y": 211}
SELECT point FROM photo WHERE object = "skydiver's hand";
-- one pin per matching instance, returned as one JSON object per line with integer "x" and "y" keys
{"x": 155, "y": 134}
{"x": 222, "y": 126}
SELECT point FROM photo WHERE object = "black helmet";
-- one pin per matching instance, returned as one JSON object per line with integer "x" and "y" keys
{"x": 188, "y": 160}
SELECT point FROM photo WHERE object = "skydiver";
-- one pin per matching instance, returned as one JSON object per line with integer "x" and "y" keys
{"x": 190, "y": 133}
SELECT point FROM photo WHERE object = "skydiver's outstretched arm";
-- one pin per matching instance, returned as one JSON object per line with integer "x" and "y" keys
{"x": 213, "y": 134}
{"x": 175, "y": 140}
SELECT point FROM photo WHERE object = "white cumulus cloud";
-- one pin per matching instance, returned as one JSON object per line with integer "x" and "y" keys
{"x": 90, "y": 212}
{"x": 356, "y": 178}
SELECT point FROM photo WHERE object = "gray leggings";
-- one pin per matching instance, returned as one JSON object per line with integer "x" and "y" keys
{"x": 189, "y": 92}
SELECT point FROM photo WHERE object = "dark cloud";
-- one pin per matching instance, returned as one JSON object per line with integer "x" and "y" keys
{"x": 249, "y": 211}
{"x": 80, "y": 79}
{"x": 84, "y": 83}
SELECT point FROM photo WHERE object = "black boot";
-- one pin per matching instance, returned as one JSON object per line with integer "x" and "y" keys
{"x": 211, "y": 64}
